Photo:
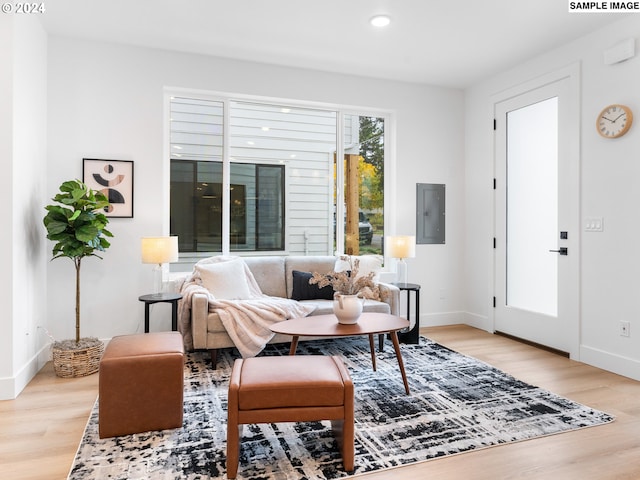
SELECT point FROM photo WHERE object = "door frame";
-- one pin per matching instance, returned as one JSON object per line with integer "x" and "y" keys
{"x": 571, "y": 171}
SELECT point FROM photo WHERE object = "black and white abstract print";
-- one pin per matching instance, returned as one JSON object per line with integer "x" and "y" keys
{"x": 457, "y": 404}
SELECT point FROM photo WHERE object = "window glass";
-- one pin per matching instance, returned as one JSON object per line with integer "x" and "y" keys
{"x": 303, "y": 141}
{"x": 363, "y": 184}
{"x": 280, "y": 193}
{"x": 257, "y": 206}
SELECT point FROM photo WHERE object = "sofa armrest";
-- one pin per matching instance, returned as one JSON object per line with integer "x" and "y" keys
{"x": 390, "y": 294}
{"x": 199, "y": 314}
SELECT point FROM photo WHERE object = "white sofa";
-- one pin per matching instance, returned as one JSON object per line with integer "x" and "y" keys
{"x": 274, "y": 275}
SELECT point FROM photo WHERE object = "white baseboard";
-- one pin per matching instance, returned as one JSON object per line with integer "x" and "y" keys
{"x": 627, "y": 367}
{"x": 10, "y": 387}
{"x": 608, "y": 361}
{"x": 478, "y": 321}
{"x": 454, "y": 318}
{"x": 439, "y": 319}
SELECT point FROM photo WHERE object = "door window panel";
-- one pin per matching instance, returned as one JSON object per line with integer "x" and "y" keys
{"x": 532, "y": 207}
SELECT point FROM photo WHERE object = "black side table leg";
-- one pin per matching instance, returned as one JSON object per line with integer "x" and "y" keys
{"x": 413, "y": 335}
{"x": 146, "y": 318}
{"x": 174, "y": 315}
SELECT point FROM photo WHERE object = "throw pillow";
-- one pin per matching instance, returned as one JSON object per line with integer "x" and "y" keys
{"x": 225, "y": 280}
{"x": 303, "y": 290}
{"x": 368, "y": 264}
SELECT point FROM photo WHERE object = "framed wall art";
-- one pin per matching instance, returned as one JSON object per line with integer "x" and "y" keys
{"x": 114, "y": 178}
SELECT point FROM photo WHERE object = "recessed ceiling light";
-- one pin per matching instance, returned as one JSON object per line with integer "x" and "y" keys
{"x": 380, "y": 21}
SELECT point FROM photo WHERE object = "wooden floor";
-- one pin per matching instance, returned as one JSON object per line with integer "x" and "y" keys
{"x": 41, "y": 429}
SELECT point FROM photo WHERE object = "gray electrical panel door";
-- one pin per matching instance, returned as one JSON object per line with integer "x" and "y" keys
{"x": 430, "y": 213}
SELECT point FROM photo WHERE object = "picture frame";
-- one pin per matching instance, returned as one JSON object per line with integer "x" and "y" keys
{"x": 114, "y": 178}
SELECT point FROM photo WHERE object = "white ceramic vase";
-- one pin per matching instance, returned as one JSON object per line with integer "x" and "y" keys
{"x": 347, "y": 308}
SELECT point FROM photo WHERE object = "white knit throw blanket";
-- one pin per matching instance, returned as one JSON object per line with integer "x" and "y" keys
{"x": 247, "y": 321}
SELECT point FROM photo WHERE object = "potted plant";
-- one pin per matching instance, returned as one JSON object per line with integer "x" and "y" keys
{"x": 350, "y": 290}
{"x": 77, "y": 226}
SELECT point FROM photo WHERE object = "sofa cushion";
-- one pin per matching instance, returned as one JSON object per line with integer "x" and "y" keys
{"x": 225, "y": 280}
{"x": 368, "y": 264}
{"x": 269, "y": 274}
{"x": 303, "y": 290}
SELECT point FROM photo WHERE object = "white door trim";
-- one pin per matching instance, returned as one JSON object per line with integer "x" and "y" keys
{"x": 572, "y": 172}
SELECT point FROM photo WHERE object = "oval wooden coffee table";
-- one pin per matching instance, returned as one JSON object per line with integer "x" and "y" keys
{"x": 327, "y": 326}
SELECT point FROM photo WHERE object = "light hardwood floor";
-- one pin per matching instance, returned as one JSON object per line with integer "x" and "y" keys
{"x": 40, "y": 430}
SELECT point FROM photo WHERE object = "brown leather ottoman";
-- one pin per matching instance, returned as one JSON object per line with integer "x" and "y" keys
{"x": 300, "y": 388}
{"x": 141, "y": 384}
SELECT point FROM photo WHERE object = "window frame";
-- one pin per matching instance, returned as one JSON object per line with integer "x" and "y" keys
{"x": 227, "y": 99}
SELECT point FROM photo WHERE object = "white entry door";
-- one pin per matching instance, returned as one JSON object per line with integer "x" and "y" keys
{"x": 537, "y": 215}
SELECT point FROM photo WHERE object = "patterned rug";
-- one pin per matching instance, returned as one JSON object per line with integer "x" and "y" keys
{"x": 457, "y": 404}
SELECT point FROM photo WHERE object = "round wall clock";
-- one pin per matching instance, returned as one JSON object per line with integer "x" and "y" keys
{"x": 614, "y": 121}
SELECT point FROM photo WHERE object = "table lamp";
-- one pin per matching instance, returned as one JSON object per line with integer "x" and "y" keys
{"x": 159, "y": 250}
{"x": 401, "y": 247}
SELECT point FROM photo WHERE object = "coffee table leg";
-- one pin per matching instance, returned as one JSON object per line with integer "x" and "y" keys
{"x": 373, "y": 351}
{"x": 294, "y": 345}
{"x": 396, "y": 346}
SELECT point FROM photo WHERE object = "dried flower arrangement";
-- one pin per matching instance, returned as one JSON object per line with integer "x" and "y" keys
{"x": 348, "y": 282}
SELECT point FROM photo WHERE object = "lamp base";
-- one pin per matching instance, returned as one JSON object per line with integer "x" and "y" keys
{"x": 403, "y": 271}
{"x": 157, "y": 279}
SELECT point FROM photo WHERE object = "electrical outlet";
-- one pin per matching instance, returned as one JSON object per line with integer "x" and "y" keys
{"x": 625, "y": 329}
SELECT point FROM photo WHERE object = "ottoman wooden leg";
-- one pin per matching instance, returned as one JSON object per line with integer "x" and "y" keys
{"x": 345, "y": 428}
{"x": 234, "y": 430}
{"x": 234, "y": 434}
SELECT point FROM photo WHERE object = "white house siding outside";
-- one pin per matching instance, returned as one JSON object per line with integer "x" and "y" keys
{"x": 301, "y": 139}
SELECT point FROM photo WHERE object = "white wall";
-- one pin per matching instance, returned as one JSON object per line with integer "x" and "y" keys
{"x": 610, "y": 176}
{"x": 23, "y": 55}
{"x": 6, "y": 191}
{"x": 106, "y": 101}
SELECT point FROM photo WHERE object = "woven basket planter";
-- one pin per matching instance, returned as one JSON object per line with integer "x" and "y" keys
{"x": 77, "y": 360}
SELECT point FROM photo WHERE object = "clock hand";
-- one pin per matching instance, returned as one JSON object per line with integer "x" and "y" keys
{"x": 622, "y": 114}
{"x": 605, "y": 118}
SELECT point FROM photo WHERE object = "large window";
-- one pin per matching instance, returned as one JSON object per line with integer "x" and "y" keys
{"x": 256, "y": 177}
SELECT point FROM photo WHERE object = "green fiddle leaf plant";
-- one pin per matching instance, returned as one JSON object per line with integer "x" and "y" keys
{"x": 76, "y": 223}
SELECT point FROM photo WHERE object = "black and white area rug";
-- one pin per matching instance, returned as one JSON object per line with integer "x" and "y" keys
{"x": 457, "y": 404}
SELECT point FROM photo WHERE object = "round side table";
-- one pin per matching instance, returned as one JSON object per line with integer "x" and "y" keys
{"x": 413, "y": 335}
{"x": 150, "y": 299}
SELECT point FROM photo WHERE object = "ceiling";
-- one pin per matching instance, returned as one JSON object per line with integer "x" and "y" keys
{"x": 453, "y": 43}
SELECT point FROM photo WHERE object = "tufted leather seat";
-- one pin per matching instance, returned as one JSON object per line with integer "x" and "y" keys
{"x": 299, "y": 388}
{"x": 141, "y": 384}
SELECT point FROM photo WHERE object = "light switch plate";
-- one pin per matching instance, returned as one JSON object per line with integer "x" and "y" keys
{"x": 594, "y": 224}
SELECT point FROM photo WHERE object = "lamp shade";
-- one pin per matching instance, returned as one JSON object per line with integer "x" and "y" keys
{"x": 401, "y": 246}
{"x": 159, "y": 250}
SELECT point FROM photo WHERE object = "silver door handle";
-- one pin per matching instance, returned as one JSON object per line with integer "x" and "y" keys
{"x": 561, "y": 251}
